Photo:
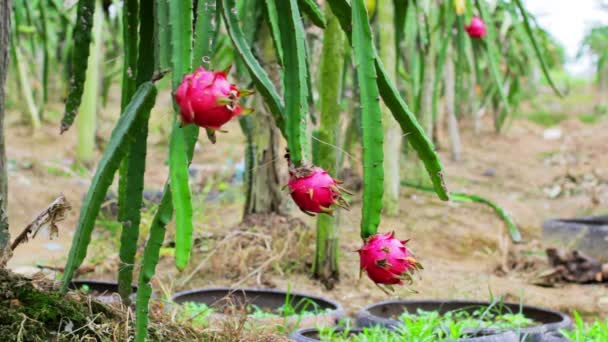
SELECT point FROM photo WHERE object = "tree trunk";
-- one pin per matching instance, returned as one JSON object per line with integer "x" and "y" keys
{"x": 5, "y": 27}
{"x": 266, "y": 180}
{"x": 455, "y": 147}
{"x": 392, "y": 131}
{"x": 325, "y": 266}
{"x": 265, "y": 174}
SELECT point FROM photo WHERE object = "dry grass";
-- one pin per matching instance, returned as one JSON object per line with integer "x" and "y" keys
{"x": 33, "y": 310}
{"x": 260, "y": 247}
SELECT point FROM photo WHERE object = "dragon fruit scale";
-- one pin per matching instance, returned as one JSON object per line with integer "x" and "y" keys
{"x": 208, "y": 99}
{"x": 386, "y": 260}
{"x": 315, "y": 191}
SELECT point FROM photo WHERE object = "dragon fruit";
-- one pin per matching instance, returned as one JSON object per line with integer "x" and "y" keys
{"x": 207, "y": 99}
{"x": 315, "y": 191}
{"x": 476, "y": 29}
{"x": 386, "y": 260}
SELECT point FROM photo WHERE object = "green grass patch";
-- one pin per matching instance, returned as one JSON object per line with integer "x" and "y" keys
{"x": 589, "y": 119}
{"x": 432, "y": 326}
{"x": 583, "y": 332}
{"x": 546, "y": 119}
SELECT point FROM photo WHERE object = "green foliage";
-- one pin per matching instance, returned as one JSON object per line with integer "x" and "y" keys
{"x": 272, "y": 19}
{"x": 493, "y": 61}
{"x": 372, "y": 140}
{"x": 80, "y": 56}
{"x": 258, "y": 74}
{"x": 205, "y": 32}
{"x": 404, "y": 116}
{"x": 546, "y": 119}
{"x": 294, "y": 79}
{"x": 130, "y": 24}
{"x": 162, "y": 35}
{"x": 430, "y": 326}
{"x": 182, "y": 141}
{"x": 325, "y": 155}
{"x": 536, "y": 45}
{"x": 163, "y": 216}
{"x": 142, "y": 102}
{"x": 195, "y": 313}
{"x": 312, "y": 10}
{"x": 132, "y": 177}
{"x": 174, "y": 35}
{"x": 182, "y": 201}
{"x": 583, "y": 332}
{"x": 180, "y": 16}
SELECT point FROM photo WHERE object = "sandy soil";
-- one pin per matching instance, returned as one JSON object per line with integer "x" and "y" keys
{"x": 460, "y": 245}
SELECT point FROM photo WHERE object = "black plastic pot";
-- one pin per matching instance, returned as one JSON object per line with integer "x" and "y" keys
{"x": 384, "y": 313}
{"x": 312, "y": 335}
{"x": 103, "y": 291}
{"x": 552, "y": 337}
{"x": 225, "y": 300}
{"x": 586, "y": 234}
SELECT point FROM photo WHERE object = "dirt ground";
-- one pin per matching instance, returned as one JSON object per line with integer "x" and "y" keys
{"x": 460, "y": 245}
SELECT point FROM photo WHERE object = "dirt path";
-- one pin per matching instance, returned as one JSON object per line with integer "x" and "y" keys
{"x": 460, "y": 245}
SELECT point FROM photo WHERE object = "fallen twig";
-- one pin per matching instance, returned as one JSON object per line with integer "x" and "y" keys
{"x": 54, "y": 213}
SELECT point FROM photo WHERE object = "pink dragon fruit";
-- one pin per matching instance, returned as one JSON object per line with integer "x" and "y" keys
{"x": 207, "y": 99}
{"x": 386, "y": 260}
{"x": 315, "y": 191}
{"x": 476, "y": 29}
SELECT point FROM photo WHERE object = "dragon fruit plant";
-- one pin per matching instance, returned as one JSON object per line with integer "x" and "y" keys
{"x": 177, "y": 36}
{"x": 386, "y": 260}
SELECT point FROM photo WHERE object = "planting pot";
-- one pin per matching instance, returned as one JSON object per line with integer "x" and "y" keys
{"x": 551, "y": 337}
{"x": 103, "y": 291}
{"x": 228, "y": 301}
{"x": 588, "y": 235}
{"x": 385, "y": 314}
{"x": 312, "y": 335}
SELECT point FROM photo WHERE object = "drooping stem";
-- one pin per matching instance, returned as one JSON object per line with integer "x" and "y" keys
{"x": 325, "y": 266}
{"x": 180, "y": 21}
{"x": 90, "y": 98}
{"x": 294, "y": 79}
{"x": 165, "y": 210}
{"x": 136, "y": 160}
{"x": 392, "y": 131}
{"x": 130, "y": 25}
{"x": 373, "y": 135}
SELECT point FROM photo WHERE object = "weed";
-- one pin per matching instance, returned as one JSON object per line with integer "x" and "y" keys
{"x": 546, "y": 119}
{"x": 583, "y": 332}
{"x": 430, "y": 326}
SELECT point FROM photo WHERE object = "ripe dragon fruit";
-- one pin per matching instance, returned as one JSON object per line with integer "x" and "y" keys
{"x": 315, "y": 191}
{"x": 207, "y": 99}
{"x": 386, "y": 260}
{"x": 476, "y": 29}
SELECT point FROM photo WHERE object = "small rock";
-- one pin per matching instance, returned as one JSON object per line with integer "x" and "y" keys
{"x": 552, "y": 134}
{"x": 489, "y": 172}
{"x": 53, "y": 246}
